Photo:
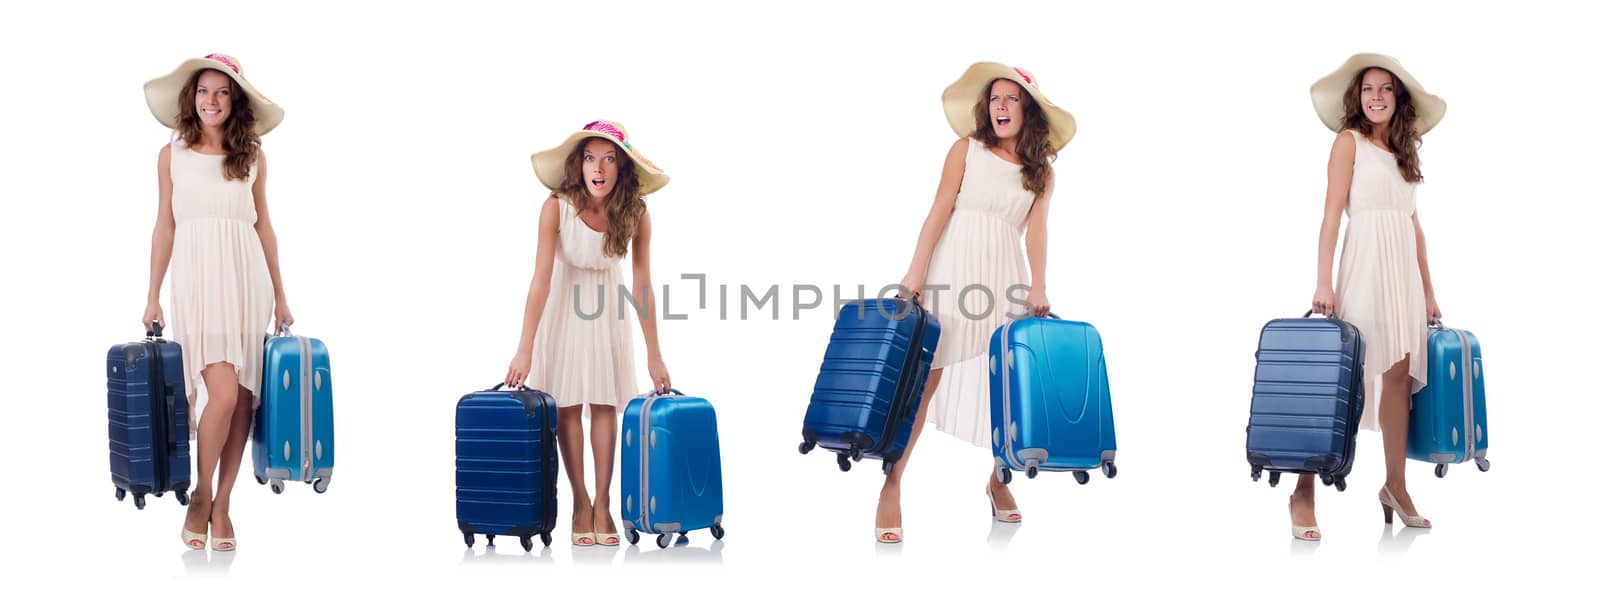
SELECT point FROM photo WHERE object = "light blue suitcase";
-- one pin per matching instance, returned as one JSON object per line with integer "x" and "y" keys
{"x": 1448, "y": 421}
{"x": 293, "y": 438}
{"x": 1050, "y": 406}
{"x": 671, "y": 467}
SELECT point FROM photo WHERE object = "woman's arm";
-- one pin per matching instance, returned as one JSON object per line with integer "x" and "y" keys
{"x": 944, "y": 203}
{"x": 269, "y": 245}
{"x": 659, "y": 379}
{"x": 1341, "y": 166}
{"x": 538, "y": 290}
{"x": 1422, "y": 264}
{"x": 1038, "y": 244}
{"x": 160, "y": 238}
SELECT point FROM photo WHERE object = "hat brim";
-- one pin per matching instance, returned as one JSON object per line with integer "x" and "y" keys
{"x": 551, "y": 164}
{"x": 1327, "y": 94}
{"x": 161, "y": 94}
{"x": 962, "y": 95}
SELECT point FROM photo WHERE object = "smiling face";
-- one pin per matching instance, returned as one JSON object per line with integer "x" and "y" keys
{"x": 1378, "y": 97}
{"x": 213, "y": 98}
{"x": 599, "y": 166}
{"x": 1005, "y": 108}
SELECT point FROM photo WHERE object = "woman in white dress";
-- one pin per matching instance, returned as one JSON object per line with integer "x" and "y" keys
{"x": 213, "y": 231}
{"x": 1380, "y": 113}
{"x": 577, "y": 344}
{"x": 996, "y": 184}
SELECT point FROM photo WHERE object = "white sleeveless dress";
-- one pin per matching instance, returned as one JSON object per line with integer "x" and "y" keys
{"x": 222, "y": 294}
{"x": 1380, "y": 283}
{"x": 583, "y": 349}
{"x": 970, "y": 288}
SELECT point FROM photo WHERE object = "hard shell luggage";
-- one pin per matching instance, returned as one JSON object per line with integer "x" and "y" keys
{"x": 147, "y": 415}
{"x": 1306, "y": 404}
{"x": 293, "y": 437}
{"x": 671, "y": 467}
{"x": 506, "y": 464}
{"x": 870, "y": 386}
{"x": 1050, "y": 405}
{"x": 1449, "y": 423}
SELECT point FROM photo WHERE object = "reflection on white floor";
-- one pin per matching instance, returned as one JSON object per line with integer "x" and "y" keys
{"x": 207, "y": 563}
{"x": 681, "y": 552}
{"x": 514, "y": 555}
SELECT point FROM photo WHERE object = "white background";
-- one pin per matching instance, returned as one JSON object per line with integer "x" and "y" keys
{"x": 804, "y": 144}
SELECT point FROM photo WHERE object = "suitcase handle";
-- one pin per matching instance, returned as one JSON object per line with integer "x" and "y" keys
{"x": 154, "y": 332}
{"x": 669, "y": 391}
{"x": 283, "y": 331}
{"x": 1330, "y": 316}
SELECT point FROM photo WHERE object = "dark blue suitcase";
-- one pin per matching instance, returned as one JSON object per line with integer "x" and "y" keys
{"x": 1050, "y": 403}
{"x": 506, "y": 465}
{"x": 671, "y": 467}
{"x": 148, "y": 418}
{"x": 1307, "y": 401}
{"x": 870, "y": 386}
{"x": 293, "y": 437}
{"x": 1449, "y": 423}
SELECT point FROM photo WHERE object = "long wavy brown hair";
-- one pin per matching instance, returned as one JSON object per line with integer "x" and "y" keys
{"x": 239, "y": 139}
{"x": 624, "y": 206}
{"x": 1033, "y": 143}
{"x": 1403, "y": 138}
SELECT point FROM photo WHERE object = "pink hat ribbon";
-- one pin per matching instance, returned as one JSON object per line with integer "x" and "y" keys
{"x": 225, "y": 61}
{"x": 608, "y": 130}
{"x": 1022, "y": 74}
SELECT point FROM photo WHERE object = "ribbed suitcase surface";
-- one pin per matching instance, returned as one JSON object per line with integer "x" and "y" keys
{"x": 870, "y": 385}
{"x": 506, "y": 465}
{"x": 1307, "y": 400}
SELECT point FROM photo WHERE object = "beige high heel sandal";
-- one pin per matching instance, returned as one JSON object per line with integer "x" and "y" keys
{"x": 1299, "y": 532}
{"x": 1004, "y": 516}
{"x": 1391, "y": 507}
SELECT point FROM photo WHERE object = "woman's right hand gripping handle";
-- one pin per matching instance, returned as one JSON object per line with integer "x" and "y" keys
{"x": 521, "y": 364}
{"x": 152, "y": 315}
{"x": 1324, "y": 302}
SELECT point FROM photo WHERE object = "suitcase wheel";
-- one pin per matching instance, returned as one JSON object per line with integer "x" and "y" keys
{"x": 1109, "y": 469}
{"x": 261, "y": 480}
{"x": 855, "y": 453}
{"x": 888, "y": 468}
{"x": 1483, "y": 465}
{"x": 1440, "y": 469}
{"x": 1081, "y": 476}
{"x": 469, "y": 539}
{"x": 806, "y": 446}
{"x": 320, "y": 485}
{"x": 491, "y": 540}
{"x": 1255, "y": 473}
{"x": 138, "y": 501}
{"x": 1272, "y": 478}
{"x": 545, "y": 537}
{"x": 844, "y": 462}
{"x": 1005, "y": 475}
{"x": 121, "y": 493}
{"x": 183, "y": 498}
{"x": 717, "y": 532}
{"x": 633, "y": 537}
{"x": 1339, "y": 484}
{"x": 277, "y": 486}
{"x": 527, "y": 543}
{"x": 663, "y": 540}
{"x": 1033, "y": 471}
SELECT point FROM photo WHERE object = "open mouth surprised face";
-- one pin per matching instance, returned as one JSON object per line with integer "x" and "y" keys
{"x": 1005, "y": 108}
{"x": 599, "y": 166}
